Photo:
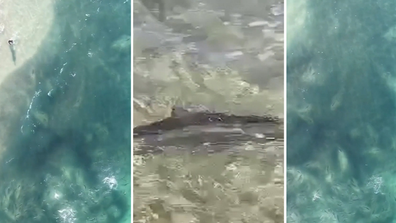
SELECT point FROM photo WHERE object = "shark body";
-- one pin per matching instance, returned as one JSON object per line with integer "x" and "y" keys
{"x": 202, "y": 130}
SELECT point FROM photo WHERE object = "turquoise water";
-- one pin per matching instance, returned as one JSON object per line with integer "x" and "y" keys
{"x": 65, "y": 153}
{"x": 341, "y": 109}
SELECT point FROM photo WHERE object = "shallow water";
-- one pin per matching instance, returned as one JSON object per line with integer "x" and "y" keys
{"x": 227, "y": 59}
{"x": 183, "y": 60}
{"x": 65, "y": 138}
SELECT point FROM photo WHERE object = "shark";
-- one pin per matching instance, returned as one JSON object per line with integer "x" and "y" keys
{"x": 197, "y": 129}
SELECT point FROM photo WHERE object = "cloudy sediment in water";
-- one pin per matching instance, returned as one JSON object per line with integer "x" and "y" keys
{"x": 341, "y": 104}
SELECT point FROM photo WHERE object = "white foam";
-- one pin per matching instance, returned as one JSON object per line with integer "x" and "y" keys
{"x": 258, "y": 23}
{"x": 111, "y": 182}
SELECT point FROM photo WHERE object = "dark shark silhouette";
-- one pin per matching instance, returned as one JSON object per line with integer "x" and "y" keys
{"x": 205, "y": 131}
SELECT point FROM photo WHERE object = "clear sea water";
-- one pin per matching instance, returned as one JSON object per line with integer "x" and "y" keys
{"x": 226, "y": 56}
{"x": 65, "y": 149}
{"x": 341, "y": 111}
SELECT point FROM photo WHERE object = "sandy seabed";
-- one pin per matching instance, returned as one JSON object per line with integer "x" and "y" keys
{"x": 27, "y": 23}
